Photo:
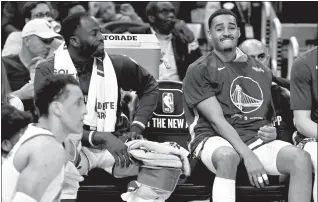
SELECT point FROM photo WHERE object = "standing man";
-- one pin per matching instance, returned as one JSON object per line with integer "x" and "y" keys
{"x": 228, "y": 96}
{"x": 178, "y": 46}
{"x": 283, "y": 121}
{"x": 37, "y": 36}
{"x": 304, "y": 103}
{"x": 84, "y": 57}
{"x": 34, "y": 168}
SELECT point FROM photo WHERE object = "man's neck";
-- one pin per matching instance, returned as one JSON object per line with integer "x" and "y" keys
{"x": 226, "y": 56}
{"x": 25, "y": 56}
{"x": 54, "y": 126}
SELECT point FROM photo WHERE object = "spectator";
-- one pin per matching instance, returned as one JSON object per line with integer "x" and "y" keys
{"x": 13, "y": 124}
{"x": 283, "y": 121}
{"x": 249, "y": 18}
{"x": 35, "y": 168}
{"x": 228, "y": 95}
{"x": 6, "y": 96}
{"x": 304, "y": 103}
{"x": 178, "y": 46}
{"x": 107, "y": 13}
{"x": 37, "y": 36}
{"x": 85, "y": 58}
{"x": 76, "y": 9}
{"x": 30, "y": 11}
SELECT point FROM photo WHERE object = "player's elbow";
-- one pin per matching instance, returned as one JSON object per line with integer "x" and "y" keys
{"x": 300, "y": 124}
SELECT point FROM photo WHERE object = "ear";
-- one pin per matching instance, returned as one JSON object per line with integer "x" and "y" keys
{"x": 26, "y": 41}
{"x": 56, "y": 108}
{"x": 151, "y": 18}
{"x": 239, "y": 32}
{"x": 209, "y": 35}
{"x": 6, "y": 145}
{"x": 26, "y": 20}
{"x": 74, "y": 41}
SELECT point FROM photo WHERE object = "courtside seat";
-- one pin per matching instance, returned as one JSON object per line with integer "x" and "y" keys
{"x": 168, "y": 124}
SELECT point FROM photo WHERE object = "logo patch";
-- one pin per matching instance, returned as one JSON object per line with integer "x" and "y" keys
{"x": 246, "y": 100}
{"x": 167, "y": 102}
{"x": 258, "y": 69}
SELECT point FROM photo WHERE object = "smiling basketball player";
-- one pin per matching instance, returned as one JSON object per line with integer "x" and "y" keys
{"x": 229, "y": 97}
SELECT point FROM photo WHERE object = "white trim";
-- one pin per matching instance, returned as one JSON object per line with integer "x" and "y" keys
{"x": 90, "y": 138}
{"x": 193, "y": 124}
{"x": 139, "y": 123}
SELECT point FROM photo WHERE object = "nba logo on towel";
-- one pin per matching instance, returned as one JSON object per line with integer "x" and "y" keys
{"x": 167, "y": 102}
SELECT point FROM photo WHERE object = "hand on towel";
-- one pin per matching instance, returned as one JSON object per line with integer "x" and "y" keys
{"x": 118, "y": 149}
{"x": 133, "y": 136}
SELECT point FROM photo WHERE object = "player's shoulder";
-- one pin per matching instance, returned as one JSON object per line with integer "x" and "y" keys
{"x": 308, "y": 58}
{"x": 202, "y": 64}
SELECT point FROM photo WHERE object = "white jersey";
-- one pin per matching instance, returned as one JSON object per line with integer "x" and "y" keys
{"x": 10, "y": 175}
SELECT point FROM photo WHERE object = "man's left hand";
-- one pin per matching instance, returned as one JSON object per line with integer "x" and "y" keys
{"x": 133, "y": 136}
{"x": 267, "y": 133}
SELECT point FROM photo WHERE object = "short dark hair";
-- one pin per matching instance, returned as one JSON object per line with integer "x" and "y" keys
{"x": 220, "y": 12}
{"x": 12, "y": 121}
{"x": 53, "y": 88}
{"x": 151, "y": 8}
{"x": 70, "y": 25}
{"x": 29, "y": 6}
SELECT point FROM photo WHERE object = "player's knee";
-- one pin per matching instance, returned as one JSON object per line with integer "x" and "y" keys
{"x": 301, "y": 159}
{"x": 225, "y": 158}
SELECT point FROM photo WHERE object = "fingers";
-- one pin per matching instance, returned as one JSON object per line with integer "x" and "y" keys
{"x": 268, "y": 129}
{"x": 250, "y": 177}
{"x": 121, "y": 158}
{"x": 126, "y": 155}
{"x": 256, "y": 182}
{"x": 265, "y": 177}
{"x": 115, "y": 157}
{"x": 260, "y": 180}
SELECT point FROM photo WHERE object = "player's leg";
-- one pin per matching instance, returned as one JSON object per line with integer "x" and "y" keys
{"x": 279, "y": 157}
{"x": 311, "y": 148}
{"x": 219, "y": 157}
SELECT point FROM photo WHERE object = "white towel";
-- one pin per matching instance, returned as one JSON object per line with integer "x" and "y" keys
{"x": 103, "y": 90}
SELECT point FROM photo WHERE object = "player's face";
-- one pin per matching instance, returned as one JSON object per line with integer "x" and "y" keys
{"x": 90, "y": 37}
{"x": 224, "y": 33}
{"x": 73, "y": 110}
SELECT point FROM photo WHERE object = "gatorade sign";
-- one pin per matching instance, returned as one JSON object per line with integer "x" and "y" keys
{"x": 121, "y": 37}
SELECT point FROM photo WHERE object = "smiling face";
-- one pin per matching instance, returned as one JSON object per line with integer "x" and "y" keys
{"x": 224, "y": 33}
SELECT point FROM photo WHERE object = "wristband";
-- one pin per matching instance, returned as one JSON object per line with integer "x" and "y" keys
{"x": 90, "y": 138}
{"x": 21, "y": 197}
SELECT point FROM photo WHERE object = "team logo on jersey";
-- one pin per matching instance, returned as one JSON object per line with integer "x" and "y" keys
{"x": 167, "y": 102}
{"x": 246, "y": 94}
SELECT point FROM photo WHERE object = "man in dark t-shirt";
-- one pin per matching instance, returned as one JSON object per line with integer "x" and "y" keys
{"x": 37, "y": 36}
{"x": 228, "y": 96}
{"x": 304, "y": 103}
{"x": 283, "y": 120}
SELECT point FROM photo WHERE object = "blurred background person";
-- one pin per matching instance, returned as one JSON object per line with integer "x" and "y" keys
{"x": 6, "y": 96}
{"x": 30, "y": 11}
{"x": 37, "y": 36}
{"x": 106, "y": 12}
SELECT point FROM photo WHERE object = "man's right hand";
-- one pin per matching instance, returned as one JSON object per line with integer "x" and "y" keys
{"x": 26, "y": 92}
{"x": 118, "y": 149}
{"x": 255, "y": 170}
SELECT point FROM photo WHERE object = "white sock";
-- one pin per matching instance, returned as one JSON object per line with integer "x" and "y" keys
{"x": 223, "y": 190}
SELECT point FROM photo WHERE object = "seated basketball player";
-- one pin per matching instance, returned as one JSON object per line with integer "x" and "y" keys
{"x": 34, "y": 169}
{"x": 304, "y": 103}
{"x": 229, "y": 95}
